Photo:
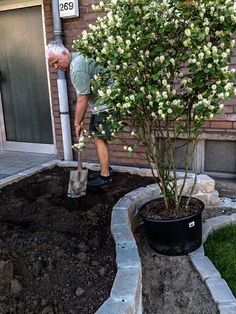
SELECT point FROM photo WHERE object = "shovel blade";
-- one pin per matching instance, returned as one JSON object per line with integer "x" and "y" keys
{"x": 77, "y": 183}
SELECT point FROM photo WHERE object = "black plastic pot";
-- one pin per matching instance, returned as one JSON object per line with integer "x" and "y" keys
{"x": 175, "y": 236}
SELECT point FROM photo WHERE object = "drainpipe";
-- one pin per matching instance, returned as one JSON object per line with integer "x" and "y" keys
{"x": 62, "y": 88}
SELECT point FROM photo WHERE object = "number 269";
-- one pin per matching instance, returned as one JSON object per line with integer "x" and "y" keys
{"x": 66, "y": 6}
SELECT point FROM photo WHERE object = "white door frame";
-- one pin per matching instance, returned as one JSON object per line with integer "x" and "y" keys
{"x": 22, "y": 146}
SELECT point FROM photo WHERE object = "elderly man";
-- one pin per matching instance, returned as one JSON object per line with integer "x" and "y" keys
{"x": 81, "y": 72}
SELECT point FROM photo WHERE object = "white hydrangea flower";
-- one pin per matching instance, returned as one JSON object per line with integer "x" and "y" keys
{"x": 221, "y": 106}
{"x": 162, "y": 58}
{"x": 187, "y": 32}
{"x": 108, "y": 92}
{"x": 101, "y": 93}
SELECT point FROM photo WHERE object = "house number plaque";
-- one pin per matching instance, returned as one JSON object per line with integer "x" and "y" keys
{"x": 68, "y": 8}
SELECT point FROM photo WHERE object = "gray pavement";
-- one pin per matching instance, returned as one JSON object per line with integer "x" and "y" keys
{"x": 13, "y": 162}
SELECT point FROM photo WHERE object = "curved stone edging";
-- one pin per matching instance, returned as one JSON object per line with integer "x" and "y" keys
{"x": 126, "y": 293}
{"x": 220, "y": 291}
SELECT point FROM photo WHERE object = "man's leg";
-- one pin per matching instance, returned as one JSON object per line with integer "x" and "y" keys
{"x": 103, "y": 156}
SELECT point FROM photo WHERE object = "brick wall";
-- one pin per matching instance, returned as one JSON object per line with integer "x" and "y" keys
{"x": 71, "y": 29}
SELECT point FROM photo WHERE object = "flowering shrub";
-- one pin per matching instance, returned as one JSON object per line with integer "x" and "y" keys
{"x": 168, "y": 64}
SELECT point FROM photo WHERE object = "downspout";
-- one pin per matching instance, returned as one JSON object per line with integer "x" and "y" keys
{"x": 62, "y": 88}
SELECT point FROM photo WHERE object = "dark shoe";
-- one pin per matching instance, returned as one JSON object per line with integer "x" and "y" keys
{"x": 99, "y": 181}
{"x": 94, "y": 174}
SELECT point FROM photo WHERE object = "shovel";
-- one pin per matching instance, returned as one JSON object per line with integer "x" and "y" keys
{"x": 78, "y": 180}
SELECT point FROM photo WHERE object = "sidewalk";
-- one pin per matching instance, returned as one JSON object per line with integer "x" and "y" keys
{"x": 13, "y": 162}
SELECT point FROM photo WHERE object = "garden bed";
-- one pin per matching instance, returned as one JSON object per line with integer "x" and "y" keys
{"x": 57, "y": 255}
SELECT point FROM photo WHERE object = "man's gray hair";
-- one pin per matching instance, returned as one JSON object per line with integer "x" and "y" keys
{"x": 56, "y": 48}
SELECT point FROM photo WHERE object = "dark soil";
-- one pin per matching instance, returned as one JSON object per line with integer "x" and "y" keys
{"x": 57, "y": 255}
{"x": 156, "y": 209}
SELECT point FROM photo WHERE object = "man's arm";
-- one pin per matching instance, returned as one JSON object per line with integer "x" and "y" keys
{"x": 80, "y": 111}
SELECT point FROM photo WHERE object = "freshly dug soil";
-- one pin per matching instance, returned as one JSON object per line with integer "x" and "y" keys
{"x": 57, "y": 255}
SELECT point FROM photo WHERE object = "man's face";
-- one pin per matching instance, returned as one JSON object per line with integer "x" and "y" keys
{"x": 60, "y": 61}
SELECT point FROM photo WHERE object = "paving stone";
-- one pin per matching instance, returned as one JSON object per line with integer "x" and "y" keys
{"x": 155, "y": 188}
{"x": 205, "y": 267}
{"x": 233, "y": 218}
{"x": 207, "y": 228}
{"x": 127, "y": 255}
{"x": 220, "y": 291}
{"x": 114, "y": 306}
{"x": 127, "y": 285}
{"x": 204, "y": 197}
{"x": 120, "y": 216}
{"x": 9, "y": 180}
{"x": 122, "y": 234}
{"x": 50, "y": 164}
{"x": 220, "y": 221}
{"x": 33, "y": 170}
{"x": 2, "y": 175}
{"x": 63, "y": 163}
{"x": 205, "y": 183}
{"x": 214, "y": 199}
{"x": 227, "y": 308}
{"x": 198, "y": 252}
{"x": 124, "y": 203}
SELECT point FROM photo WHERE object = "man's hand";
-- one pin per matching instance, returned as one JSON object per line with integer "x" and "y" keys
{"x": 78, "y": 129}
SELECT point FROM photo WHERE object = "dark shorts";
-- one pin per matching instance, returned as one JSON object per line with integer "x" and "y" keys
{"x": 95, "y": 121}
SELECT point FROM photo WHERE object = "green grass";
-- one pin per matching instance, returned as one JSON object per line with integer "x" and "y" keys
{"x": 220, "y": 247}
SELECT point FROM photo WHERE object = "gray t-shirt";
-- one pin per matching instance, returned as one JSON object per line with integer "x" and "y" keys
{"x": 81, "y": 72}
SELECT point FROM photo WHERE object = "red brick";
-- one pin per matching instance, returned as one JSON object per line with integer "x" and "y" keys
{"x": 221, "y": 125}
{"x": 228, "y": 109}
{"x": 231, "y": 117}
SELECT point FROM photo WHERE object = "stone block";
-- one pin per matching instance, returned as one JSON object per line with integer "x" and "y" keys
{"x": 204, "y": 197}
{"x": 233, "y": 218}
{"x": 127, "y": 255}
{"x": 127, "y": 285}
{"x": 188, "y": 186}
{"x": 227, "y": 308}
{"x": 198, "y": 252}
{"x": 120, "y": 217}
{"x": 124, "y": 203}
{"x": 122, "y": 234}
{"x": 205, "y": 267}
{"x": 155, "y": 189}
{"x": 205, "y": 183}
{"x": 220, "y": 291}
{"x": 68, "y": 164}
{"x": 50, "y": 163}
{"x": 10, "y": 180}
{"x": 220, "y": 221}
{"x": 214, "y": 198}
{"x": 207, "y": 228}
{"x": 114, "y": 306}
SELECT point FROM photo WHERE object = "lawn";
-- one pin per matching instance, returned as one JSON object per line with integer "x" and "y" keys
{"x": 220, "y": 247}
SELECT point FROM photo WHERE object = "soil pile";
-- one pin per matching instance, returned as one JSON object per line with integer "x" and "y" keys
{"x": 57, "y": 255}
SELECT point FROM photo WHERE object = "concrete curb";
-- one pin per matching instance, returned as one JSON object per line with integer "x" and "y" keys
{"x": 220, "y": 291}
{"x": 126, "y": 293}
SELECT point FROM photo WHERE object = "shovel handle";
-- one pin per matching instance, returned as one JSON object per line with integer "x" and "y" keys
{"x": 79, "y": 160}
